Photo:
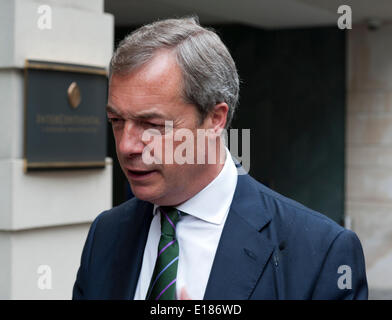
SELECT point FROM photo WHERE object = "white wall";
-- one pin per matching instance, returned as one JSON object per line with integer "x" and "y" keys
{"x": 45, "y": 216}
{"x": 58, "y": 249}
{"x": 369, "y": 150}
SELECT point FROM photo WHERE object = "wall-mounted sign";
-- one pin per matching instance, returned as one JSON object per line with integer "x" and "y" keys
{"x": 65, "y": 117}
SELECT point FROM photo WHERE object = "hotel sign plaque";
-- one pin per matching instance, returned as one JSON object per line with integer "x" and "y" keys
{"x": 65, "y": 117}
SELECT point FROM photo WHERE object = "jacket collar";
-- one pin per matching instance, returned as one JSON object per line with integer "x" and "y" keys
{"x": 244, "y": 247}
{"x": 132, "y": 238}
{"x": 243, "y": 250}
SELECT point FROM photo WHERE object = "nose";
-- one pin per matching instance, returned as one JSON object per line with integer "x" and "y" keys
{"x": 129, "y": 140}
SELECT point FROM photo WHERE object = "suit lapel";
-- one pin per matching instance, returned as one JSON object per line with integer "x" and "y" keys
{"x": 132, "y": 238}
{"x": 244, "y": 247}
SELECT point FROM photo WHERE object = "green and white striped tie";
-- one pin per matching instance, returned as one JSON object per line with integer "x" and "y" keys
{"x": 163, "y": 281}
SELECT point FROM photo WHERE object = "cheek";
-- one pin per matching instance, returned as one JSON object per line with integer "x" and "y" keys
{"x": 183, "y": 174}
{"x": 175, "y": 174}
{"x": 118, "y": 151}
{"x": 117, "y": 134}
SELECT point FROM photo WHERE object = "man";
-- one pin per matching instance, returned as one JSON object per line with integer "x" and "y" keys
{"x": 196, "y": 229}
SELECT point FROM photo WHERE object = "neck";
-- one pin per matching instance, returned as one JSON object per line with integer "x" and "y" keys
{"x": 210, "y": 173}
{"x": 205, "y": 176}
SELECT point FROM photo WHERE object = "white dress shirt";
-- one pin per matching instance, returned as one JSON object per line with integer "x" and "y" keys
{"x": 198, "y": 235}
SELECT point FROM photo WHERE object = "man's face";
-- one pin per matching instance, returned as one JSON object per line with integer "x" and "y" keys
{"x": 143, "y": 100}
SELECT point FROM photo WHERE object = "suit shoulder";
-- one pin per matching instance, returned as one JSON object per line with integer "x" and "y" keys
{"x": 117, "y": 214}
{"x": 293, "y": 216}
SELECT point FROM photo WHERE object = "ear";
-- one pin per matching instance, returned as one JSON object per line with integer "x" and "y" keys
{"x": 218, "y": 117}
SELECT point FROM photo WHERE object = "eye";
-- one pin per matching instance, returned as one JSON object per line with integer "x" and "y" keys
{"x": 114, "y": 120}
{"x": 152, "y": 125}
{"x": 155, "y": 125}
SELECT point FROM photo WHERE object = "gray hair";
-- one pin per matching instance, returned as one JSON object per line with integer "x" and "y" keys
{"x": 209, "y": 72}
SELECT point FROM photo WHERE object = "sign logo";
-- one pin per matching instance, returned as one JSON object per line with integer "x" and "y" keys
{"x": 74, "y": 96}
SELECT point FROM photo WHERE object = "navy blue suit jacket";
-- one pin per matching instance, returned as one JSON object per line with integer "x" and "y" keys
{"x": 271, "y": 247}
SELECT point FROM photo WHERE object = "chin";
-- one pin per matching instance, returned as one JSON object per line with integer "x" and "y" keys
{"x": 144, "y": 193}
{"x": 157, "y": 198}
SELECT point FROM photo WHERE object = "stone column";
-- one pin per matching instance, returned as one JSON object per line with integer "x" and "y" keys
{"x": 369, "y": 150}
{"x": 45, "y": 216}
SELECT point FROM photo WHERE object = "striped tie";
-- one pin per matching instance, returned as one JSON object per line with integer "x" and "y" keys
{"x": 163, "y": 281}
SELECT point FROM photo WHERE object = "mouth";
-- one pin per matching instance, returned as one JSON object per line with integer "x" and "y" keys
{"x": 140, "y": 174}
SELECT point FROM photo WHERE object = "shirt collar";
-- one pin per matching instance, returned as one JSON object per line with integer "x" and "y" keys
{"x": 213, "y": 202}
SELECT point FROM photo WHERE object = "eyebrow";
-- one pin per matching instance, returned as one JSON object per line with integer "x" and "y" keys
{"x": 142, "y": 115}
{"x": 110, "y": 109}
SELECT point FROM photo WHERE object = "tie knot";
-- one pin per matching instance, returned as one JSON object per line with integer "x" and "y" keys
{"x": 169, "y": 218}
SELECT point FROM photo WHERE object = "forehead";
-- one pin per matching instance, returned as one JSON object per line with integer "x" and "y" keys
{"x": 157, "y": 82}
